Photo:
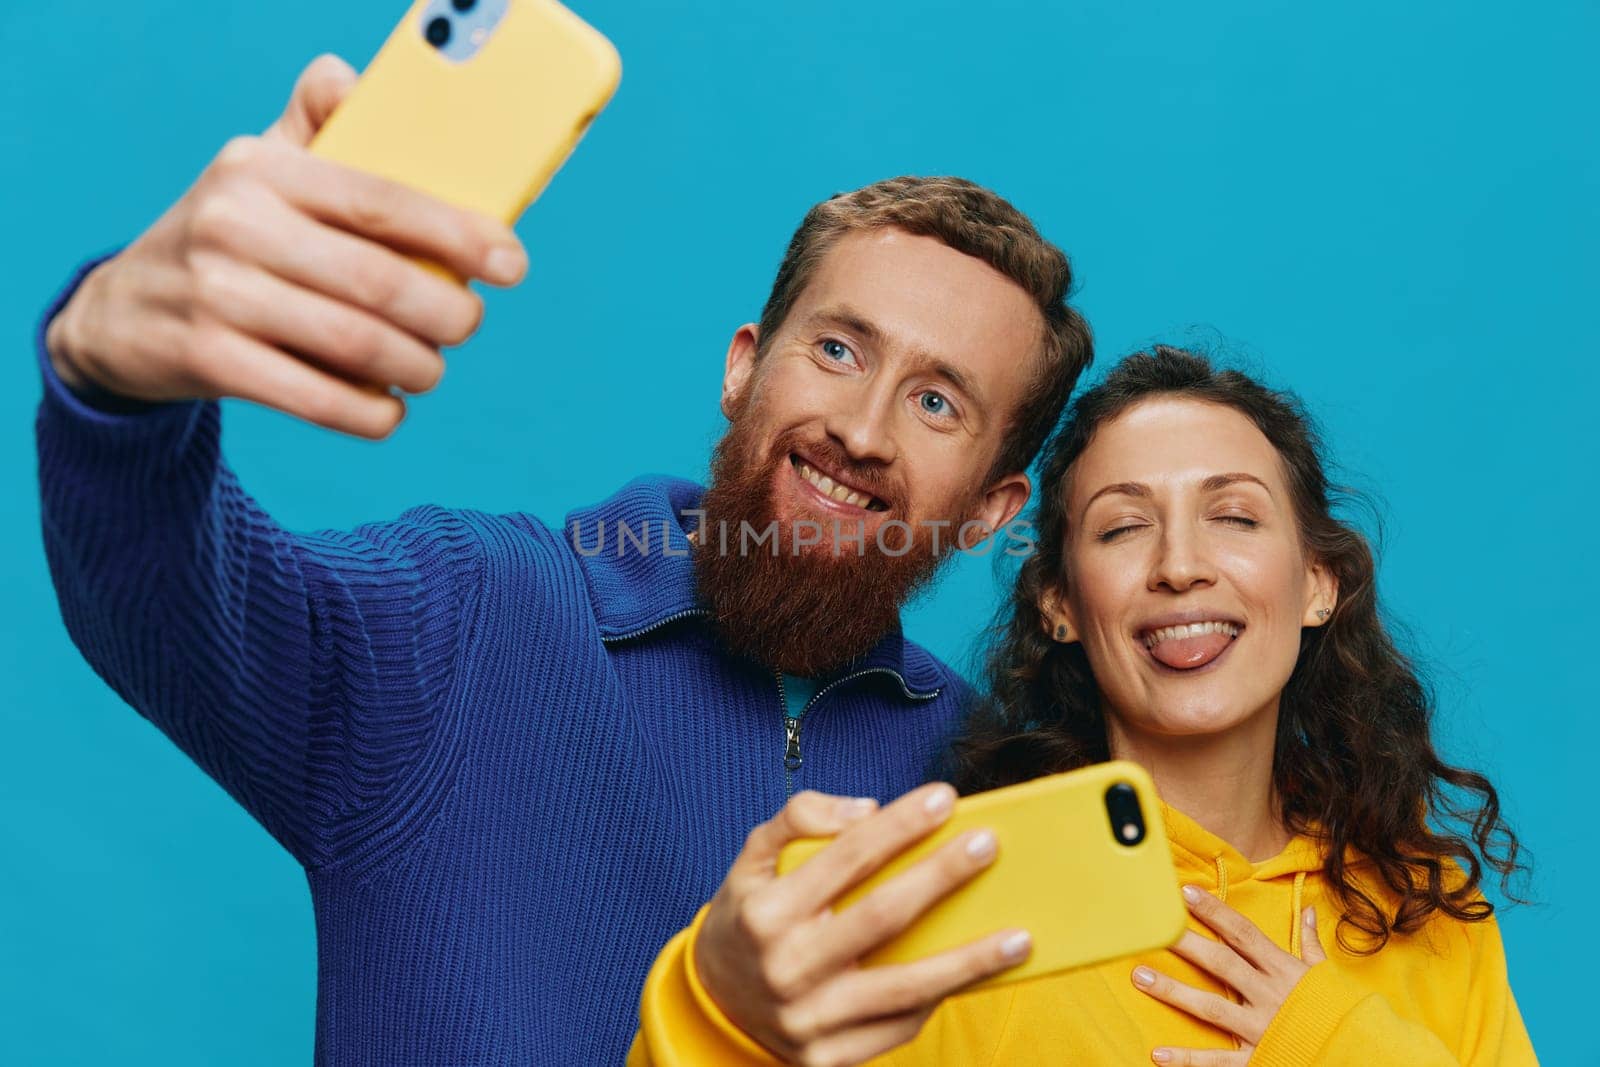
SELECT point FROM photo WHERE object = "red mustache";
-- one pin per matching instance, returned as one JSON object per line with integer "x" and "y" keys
{"x": 825, "y": 452}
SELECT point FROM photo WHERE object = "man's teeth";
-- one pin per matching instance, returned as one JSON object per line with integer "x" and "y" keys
{"x": 1192, "y": 629}
{"x": 828, "y": 487}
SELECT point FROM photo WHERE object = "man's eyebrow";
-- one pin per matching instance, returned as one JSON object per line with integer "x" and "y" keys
{"x": 921, "y": 359}
{"x": 1210, "y": 485}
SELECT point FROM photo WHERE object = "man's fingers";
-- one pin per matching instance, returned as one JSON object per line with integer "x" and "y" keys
{"x": 232, "y": 364}
{"x": 908, "y": 988}
{"x": 1221, "y": 962}
{"x": 320, "y": 88}
{"x": 867, "y": 846}
{"x": 262, "y": 229}
{"x": 468, "y": 244}
{"x": 352, "y": 343}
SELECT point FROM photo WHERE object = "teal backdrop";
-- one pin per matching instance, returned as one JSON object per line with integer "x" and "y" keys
{"x": 1391, "y": 208}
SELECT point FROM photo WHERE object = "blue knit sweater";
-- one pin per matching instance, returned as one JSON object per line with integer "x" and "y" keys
{"x": 510, "y": 769}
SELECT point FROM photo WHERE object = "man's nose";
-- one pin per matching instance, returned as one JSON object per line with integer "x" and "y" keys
{"x": 863, "y": 422}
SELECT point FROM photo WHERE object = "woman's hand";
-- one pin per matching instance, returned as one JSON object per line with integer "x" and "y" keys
{"x": 783, "y": 966}
{"x": 1245, "y": 960}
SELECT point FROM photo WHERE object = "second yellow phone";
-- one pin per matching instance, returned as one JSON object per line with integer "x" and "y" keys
{"x": 1083, "y": 865}
{"x": 476, "y": 102}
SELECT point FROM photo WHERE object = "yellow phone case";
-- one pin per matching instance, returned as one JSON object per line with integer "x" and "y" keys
{"x": 487, "y": 133}
{"x": 1060, "y": 874}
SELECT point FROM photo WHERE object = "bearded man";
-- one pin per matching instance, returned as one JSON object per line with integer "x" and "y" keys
{"x": 514, "y": 759}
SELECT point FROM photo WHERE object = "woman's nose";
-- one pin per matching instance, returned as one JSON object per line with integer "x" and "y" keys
{"x": 1182, "y": 561}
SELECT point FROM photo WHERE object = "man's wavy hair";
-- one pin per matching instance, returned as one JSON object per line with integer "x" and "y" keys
{"x": 1354, "y": 755}
{"x": 981, "y": 224}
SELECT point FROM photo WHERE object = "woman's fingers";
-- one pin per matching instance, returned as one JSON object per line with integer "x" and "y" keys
{"x": 1168, "y": 1056}
{"x": 864, "y": 848}
{"x": 854, "y": 931}
{"x": 861, "y": 1043}
{"x": 1219, "y": 961}
{"x": 1311, "y": 950}
{"x": 901, "y": 988}
{"x": 1245, "y": 936}
{"x": 1207, "y": 1007}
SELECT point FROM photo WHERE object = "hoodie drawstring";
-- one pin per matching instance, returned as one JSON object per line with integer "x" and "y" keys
{"x": 1296, "y": 948}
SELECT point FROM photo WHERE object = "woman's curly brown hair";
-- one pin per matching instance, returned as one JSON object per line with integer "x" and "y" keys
{"x": 1354, "y": 756}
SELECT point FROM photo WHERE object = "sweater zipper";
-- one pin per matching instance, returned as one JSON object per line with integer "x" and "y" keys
{"x": 792, "y": 757}
{"x": 791, "y": 738}
{"x": 658, "y": 624}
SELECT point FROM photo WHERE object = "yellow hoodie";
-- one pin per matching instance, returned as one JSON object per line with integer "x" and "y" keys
{"x": 1433, "y": 998}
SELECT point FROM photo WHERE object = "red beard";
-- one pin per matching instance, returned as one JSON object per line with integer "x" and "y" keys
{"x": 815, "y": 611}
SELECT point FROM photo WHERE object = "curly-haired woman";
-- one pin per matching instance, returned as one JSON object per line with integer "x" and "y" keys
{"x": 1195, "y": 606}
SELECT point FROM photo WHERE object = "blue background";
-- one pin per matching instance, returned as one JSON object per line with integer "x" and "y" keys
{"x": 1390, "y": 208}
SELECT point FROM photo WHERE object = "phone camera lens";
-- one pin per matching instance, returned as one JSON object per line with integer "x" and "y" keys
{"x": 1127, "y": 821}
{"x": 463, "y": 6}
{"x": 439, "y": 32}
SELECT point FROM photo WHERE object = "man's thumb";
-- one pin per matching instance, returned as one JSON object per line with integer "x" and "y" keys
{"x": 321, "y": 87}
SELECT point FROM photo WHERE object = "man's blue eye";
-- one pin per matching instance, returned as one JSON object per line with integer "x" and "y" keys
{"x": 836, "y": 350}
{"x": 934, "y": 404}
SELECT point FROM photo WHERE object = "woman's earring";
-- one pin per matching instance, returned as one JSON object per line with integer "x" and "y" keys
{"x": 1323, "y": 613}
{"x": 1061, "y": 632}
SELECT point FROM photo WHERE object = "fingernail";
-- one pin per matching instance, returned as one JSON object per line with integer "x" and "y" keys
{"x": 940, "y": 800}
{"x": 981, "y": 846}
{"x": 1311, "y": 918}
{"x": 506, "y": 264}
{"x": 1161, "y": 1055}
{"x": 1191, "y": 894}
{"x": 1143, "y": 976}
{"x": 856, "y": 808}
{"x": 1016, "y": 947}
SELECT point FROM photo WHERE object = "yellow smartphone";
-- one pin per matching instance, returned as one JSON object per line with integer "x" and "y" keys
{"x": 1083, "y": 865}
{"x": 476, "y": 102}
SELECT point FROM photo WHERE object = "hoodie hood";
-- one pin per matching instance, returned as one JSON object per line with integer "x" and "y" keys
{"x": 1271, "y": 893}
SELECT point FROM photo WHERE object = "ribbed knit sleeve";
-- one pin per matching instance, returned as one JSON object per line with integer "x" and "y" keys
{"x": 1330, "y": 1019}
{"x": 304, "y": 673}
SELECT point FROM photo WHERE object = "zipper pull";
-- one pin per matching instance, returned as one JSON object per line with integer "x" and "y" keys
{"x": 791, "y": 750}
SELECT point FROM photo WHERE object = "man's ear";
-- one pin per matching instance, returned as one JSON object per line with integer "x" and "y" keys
{"x": 1056, "y": 616}
{"x": 1000, "y": 504}
{"x": 741, "y": 363}
{"x": 1322, "y": 594}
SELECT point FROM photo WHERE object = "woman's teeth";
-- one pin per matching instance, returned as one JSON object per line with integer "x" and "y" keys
{"x": 1192, "y": 629}
{"x": 830, "y": 488}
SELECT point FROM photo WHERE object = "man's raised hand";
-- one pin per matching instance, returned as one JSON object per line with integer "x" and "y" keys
{"x": 285, "y": 279}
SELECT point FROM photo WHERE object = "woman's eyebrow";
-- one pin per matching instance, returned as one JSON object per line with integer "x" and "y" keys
{"x": 1222, "y": 481}
{"x": 1119, "y": 488}
{"x": 1210, "y": 485}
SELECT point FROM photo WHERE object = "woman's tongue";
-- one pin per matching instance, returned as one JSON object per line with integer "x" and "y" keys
{"x": 1187, "y": 653}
